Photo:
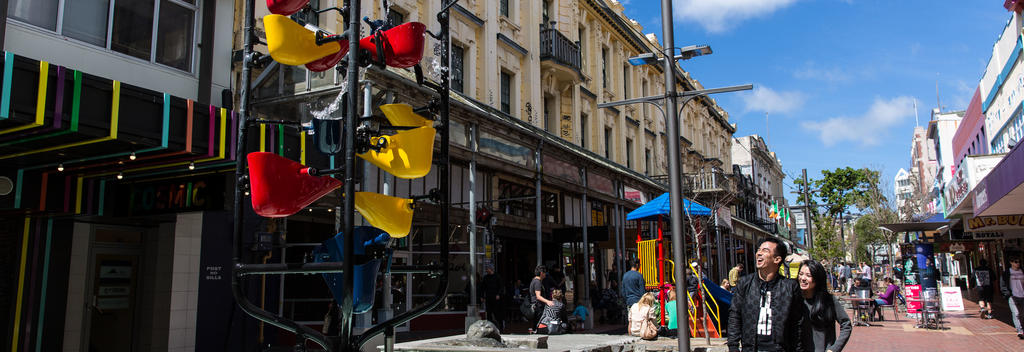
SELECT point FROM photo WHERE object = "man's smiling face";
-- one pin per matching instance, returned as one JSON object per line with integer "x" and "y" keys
{"x": 765, "y": 257}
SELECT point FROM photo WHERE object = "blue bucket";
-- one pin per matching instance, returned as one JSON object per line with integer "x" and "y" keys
{"x": 365, "y": 279}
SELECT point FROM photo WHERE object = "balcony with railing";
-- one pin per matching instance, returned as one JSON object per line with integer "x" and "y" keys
{"x": 558, "y": 49}
{"x": 707, "y": 181}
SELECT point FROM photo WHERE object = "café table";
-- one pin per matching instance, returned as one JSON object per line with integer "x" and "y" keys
{"x": 924, "y": 311}
{"x": 860, "y": 307}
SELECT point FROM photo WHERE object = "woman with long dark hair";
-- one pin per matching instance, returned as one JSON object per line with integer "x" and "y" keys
{"x": 821, "y": 311}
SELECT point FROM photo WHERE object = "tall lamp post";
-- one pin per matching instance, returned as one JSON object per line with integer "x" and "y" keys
{"x": 671, "y": 116}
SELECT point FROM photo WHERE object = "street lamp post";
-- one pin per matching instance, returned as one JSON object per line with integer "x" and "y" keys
{"x": 670, "y": 113}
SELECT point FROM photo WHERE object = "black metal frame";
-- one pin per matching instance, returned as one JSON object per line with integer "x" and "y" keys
{"x": 345, "y": 341}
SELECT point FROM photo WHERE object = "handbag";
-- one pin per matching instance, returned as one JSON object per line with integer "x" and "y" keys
{"x": 556, "y": 327}
{"x": 527, "y": 309}
{"x": 648, "y": 331}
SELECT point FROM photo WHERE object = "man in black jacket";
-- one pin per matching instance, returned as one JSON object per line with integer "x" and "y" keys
{"x": 765, "y": 311}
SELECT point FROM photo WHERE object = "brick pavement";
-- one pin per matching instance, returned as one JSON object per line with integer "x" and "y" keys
{"x": 964, "y": 332}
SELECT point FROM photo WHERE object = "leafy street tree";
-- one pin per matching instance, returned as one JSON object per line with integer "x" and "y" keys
{"x": 839, "y": 190}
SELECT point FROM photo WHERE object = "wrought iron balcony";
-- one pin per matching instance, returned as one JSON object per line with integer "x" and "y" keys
{"x": 556, "y": 47}
{"x": 707, "y": 181}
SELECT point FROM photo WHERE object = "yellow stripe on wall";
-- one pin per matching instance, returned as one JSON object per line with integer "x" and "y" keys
{"x": 223, "y": 131}
{"x": 263, "y": 137}
{"x": 114, "y": 111}
{"x": 21, "y": 285}
{"x": 44, "y": 75}
{"x": 78, "y": 197}
{"x": 302, "y": 147}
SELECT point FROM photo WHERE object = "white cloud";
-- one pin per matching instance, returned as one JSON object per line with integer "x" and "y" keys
{"x": 718, "y": 16}
{"x": 868, "y": 129}
{"x": 774, "y": 102}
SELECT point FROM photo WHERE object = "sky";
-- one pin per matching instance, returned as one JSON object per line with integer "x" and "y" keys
{"x": 835, "y": 81}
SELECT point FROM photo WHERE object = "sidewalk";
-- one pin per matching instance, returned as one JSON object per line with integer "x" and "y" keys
{"x": 964, "y": 332}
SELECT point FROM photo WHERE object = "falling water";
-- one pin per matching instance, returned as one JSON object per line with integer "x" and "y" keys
{"x": 317, "y": 110}
{"x": 435, "y": 68}
{"x": 327, "y": 113}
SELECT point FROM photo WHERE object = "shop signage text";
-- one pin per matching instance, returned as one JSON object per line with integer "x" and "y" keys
{"x": 1001, "y": 222}
{"x": 177, "y": 195}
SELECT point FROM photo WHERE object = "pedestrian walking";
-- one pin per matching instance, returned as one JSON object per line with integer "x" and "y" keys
{"x": 822, "y": 312}
{"x": 1012, "y": 287}
{"x": 632, "y": 283}
{"x": 492, "y": 291}
{"x": 766, "y": 313}
{"x": 983, "y": 282}
{"x": 735, "y": 273}
{"x": 865, "y": 273}
{"x": 846, "y": 276}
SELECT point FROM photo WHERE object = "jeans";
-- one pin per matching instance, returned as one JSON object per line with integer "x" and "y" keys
{"x": 1017, "y": 312}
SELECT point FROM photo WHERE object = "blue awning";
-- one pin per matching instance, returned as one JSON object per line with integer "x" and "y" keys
{"x": 660, "y": 207}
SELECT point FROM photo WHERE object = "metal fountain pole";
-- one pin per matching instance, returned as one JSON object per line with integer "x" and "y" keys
{"x": 675, "y": 196}
{"x": 352, "y": 113}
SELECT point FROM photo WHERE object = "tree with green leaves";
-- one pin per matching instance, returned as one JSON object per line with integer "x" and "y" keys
{"x": 838, "y": 190}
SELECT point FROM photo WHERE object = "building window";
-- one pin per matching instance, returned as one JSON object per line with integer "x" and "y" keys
{"x": 395, "y": 17}
{"x": 506, "y": 93}
{"x": 604, "y": 68}
{"x": 458, "y": 68}
{"x": 629, "y": 153}
{"x": 583, "y": 130}
{"x": 129, "y": 31}
{"x": 546, "y": 13}
{"x": 608, "y": 142}
{"x": 625, "y": 82}
{"x": 647, "y": 161}
{"x": 643, "y": 93}
{"x": 583, "y": 51}
{"x": 503, "y": 8}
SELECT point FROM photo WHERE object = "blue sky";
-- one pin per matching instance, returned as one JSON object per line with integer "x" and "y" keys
{"x": 837, "y": 78}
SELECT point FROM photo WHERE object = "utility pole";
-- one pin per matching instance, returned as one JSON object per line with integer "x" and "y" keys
{"x": 675, "y": 194}
{"x": 807, "y": 210}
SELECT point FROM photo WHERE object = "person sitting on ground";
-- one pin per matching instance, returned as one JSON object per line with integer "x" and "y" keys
{"x": 886, "y": 298}
{"x": 643, "y": 310}
{"x": 553, "y": 317}
{"x": 670, "y": 315}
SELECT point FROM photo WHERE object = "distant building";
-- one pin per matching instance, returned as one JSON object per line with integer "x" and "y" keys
{"x": 903, "y": 188}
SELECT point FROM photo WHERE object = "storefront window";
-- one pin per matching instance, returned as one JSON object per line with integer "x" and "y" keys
{"x": 129, "y": 31}
{"x": 425, "y": 249}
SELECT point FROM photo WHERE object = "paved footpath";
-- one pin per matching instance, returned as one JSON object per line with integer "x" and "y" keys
{"x": 964, "y": 332}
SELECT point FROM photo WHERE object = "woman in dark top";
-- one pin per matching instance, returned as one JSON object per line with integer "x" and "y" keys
{"x": 822, "y": 312}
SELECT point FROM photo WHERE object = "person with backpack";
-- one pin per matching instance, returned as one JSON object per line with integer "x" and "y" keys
{"x": 983, "y": 280}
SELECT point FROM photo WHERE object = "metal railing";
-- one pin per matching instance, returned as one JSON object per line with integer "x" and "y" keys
{"x": 557, "y": 47}
{"x": 707, "y": 181}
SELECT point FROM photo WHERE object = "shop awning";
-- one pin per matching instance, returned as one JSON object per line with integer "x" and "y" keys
{"x": 930, "y": 224}
{"x": 1001, "y": 192}
{"x": 660, "y": 207}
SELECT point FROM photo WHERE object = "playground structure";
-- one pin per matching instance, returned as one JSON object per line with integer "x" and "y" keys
{"x": 401, "y": 142}
{"x": 704, "y": 306}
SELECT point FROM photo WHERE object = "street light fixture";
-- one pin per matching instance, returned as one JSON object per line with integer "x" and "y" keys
{"x": 685, "y": 53}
